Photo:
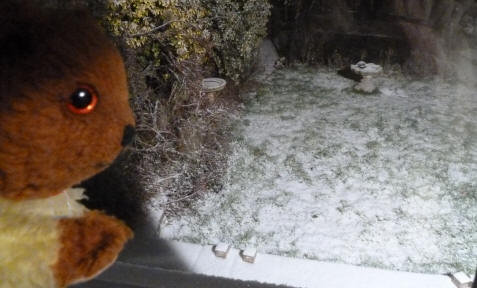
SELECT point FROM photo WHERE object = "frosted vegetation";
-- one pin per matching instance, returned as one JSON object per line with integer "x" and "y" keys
{"x": 318, "y": 171}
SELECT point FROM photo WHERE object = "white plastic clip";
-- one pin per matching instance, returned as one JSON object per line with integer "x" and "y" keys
{"x": 461, "y": 280}
{"x": 221, "y": 250}
{"x": 249, "y": 255}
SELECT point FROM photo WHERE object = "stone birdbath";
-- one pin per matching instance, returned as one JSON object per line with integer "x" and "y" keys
{"x": 367, "y": 70}
{"x": 210, "y": 86}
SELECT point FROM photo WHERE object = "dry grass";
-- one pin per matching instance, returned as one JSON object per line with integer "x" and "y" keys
{"x": 182, "y": 138}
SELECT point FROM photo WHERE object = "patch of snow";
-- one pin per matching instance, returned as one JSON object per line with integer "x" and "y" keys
{"x": 318, "y": 171}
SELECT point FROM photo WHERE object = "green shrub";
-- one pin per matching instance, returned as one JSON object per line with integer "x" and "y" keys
{"x": 225, "y": 31}
{"x": 237, "y": 28}
{"x": 162, "y": 33}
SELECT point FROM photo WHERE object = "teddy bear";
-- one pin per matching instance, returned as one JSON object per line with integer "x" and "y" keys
{"x": 64, "y": 117}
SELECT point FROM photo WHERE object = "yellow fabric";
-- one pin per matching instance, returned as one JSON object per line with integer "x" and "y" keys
{"x": 29, "y": 242}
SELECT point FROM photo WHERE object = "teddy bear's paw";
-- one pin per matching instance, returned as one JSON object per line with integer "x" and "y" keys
{"x": 89, "y": 245}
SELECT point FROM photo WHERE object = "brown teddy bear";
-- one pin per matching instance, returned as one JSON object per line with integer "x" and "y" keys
{"x": 64, "y": 116}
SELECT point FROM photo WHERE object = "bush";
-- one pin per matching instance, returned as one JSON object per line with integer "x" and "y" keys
{"x": 158, "y": 28}
{"x": 237, "y": 28}
{"x": 226, "y": 31}
{"x": 170, "y": 46}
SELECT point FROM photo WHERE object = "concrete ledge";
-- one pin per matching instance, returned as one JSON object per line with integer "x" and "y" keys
{"x": 124, "y": 275}
{"x": 299, "y": 272}
{"x": 201, "y": 268}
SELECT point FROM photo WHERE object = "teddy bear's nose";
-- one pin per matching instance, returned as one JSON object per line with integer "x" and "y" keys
{"x": 128, "y": 136}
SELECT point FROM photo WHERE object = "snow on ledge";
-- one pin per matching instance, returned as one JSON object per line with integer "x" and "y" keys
{"x": 299, "y": 272}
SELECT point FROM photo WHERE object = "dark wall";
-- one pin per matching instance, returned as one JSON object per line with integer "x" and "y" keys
{"x": 118, "y": 191}
{"x": 323, "y": 31}
{"x": 412, "y": 33}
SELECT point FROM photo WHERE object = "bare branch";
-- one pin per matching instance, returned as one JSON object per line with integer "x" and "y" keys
{"x": 154, "y": 29}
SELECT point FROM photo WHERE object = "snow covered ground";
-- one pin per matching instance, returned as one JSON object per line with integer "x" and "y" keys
{"x": 317, "y": 171}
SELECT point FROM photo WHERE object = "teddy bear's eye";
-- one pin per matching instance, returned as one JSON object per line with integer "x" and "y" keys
{"x": 83, "y": 100}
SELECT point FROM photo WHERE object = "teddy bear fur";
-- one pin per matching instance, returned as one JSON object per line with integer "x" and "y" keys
{"x": 48, "y": 239}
